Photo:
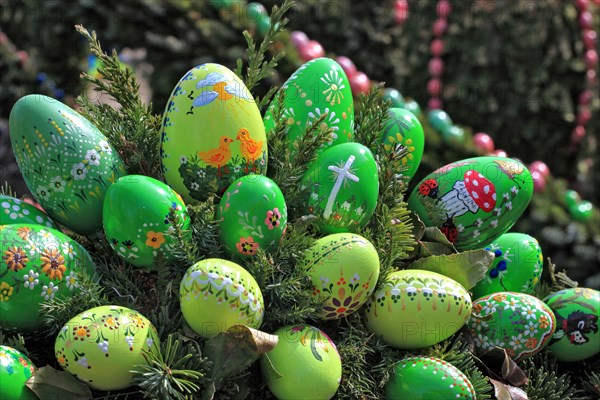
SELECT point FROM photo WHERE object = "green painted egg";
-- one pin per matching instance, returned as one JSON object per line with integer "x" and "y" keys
{"x": 103, "y": 344}
{"x": 252, "y": 214}
{"x": 404, "y": 131}
{"x": 416, "y": 308}
{"x": 520, "y": 323}
{"x": 216, "y": 294}
{"x": 577, "y": 311}
{"x": 342, "y": 188}
{"x": 344, "y": 268}
{"x": 439, "y": 120}
{"x": 427, "y": 378}
{"x": 16, "y": 211}
{"x": 15, "y": 370}
{"x": 318, "y": 87}
{"x": 473, "y": 201}
{"x": 305, "y": 364}
{"x": 517, "y": 266}
{"x": 394, "y": 96}
{"x": 137, "y": 216}
{"x": 412, "y": 106}
{"x": 66, "y": 161}
{"x": 38, "y": 264}
{"x": 212, "y": 133}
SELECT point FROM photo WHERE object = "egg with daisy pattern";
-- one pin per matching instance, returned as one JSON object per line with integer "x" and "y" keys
{"x": 15, "y": 369}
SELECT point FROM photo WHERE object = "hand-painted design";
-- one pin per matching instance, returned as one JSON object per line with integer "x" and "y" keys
{"x": 342, "y": 173}
{"x": 247, "y": 246}
{"x": 49, "y": 291}
{"x": 18, "y": 211}
{"x": 273, "y": 219}
{"x": 334, "y": 85}
{"x": 217, "y": 86}
{"x": 511, "y": 169}
{"x": 429, "y": 188}
{"x": 500, "y": 269}
{"x": 155, "y": 239}
{"x": 15, "y": 258}
{"x": 331, "y": 121}
{"x": 313, "y": 337}
{"x": 31, "y": 279}
{"x": 578, "y": 324}
{"x": 251, "y": 149}
{"x": 53, "y": 263}
{"x": 5, "y": 291}
{"x": 9, "y": 358}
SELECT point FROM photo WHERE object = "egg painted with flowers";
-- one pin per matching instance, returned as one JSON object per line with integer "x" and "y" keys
{"x": 318, "y": 89}
{"x": 66, "y": 161}
{"x": 426, "y": 378}
{"x": 139, "y": 213}
{"x": 212, "y": 133}
{"x": 252, "y": 214}
{"x": 15, "y": 369}
{"x": 103, "y": 344}
{"x": 404, "y": 131}
{"x": 38, "y": 264}
{"x": 520, "y": 323}
{"x": 417, "y": 308}
{"x": 473, "y": 201}
{"x": 17, "y": 211}
{"x": 305, "y": 364}
{"x": 517, "y": 266}
{"x": 577, "y": 336}
{"x": 216, "y": 294}
{"x": 344, "y": 269}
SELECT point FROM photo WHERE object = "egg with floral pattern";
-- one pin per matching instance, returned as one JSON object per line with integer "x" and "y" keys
{"x": 38, "y": 264}
{"x": 216, "y": 294}
{"x": 103, "y": 344}
{"x": 344, "y": 269}
{"x": 404, "y": 132}
{"x": 139, "y": 214}
{"x": 15, "y": 369}
{"x": 17, "y": 211}
{"x": 67, "y": 163}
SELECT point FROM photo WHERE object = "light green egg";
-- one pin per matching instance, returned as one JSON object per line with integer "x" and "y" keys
{"x": 404, "y": 131}
{"x": 16, "y": 211}
{"x": 15, "y": 369}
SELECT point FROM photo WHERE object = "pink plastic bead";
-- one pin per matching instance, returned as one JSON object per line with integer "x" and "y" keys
{"x": 359, "y": 83}
{"x": 347, "y": 65}
{"x": 541, "y": 167}
{"x": 590, "y": 76}
{"x": 435, "y": 104}
{"x": 436, "y": 67}
{"x": 585, "y": 97}
{"x": 586, "y": 20}
{"x": 311, "y": 50}
{"x": 584, "y": 116}
{"x": 589, "y": 38}
{"x": 483, "y": 142}
{"x": 299, "y": 38}
{"x": 437, "y": 47}
{"x": 539, "y": 181}
{"x": 578, "y": 134}
{"x": 582, "y": 5}
{"x": 443, "y": 8}
{"x": 434, "y": 87}
{"x": 499, "y": 153}
{"x": 401, "y": 11}
{"x": 439, "y": 27}
{"x": 591, "y": 58}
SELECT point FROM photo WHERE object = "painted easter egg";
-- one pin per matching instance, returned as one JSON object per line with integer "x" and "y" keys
{"x": 67, "y": 163}
{"x": 103, "y": 344}
{"x": 577, "y": 311}
{"x": 252, "y": 214}
{"x": 473, "y": 201}
{"x": 319, "y": 87}
{"x": 344, "y": 268}
{"x": 15, "y": 369}
{"x": 212, "y": 133}
{"x": 426, "y": 378}
{"x": 342, "y": 188}
{"x": 416, "y": 308}
{"x": 139, "y": 213}
{"x": 439, "y": 120}
{"x": 520, "y": 323}
{"x": 404, "y": 131}
{"x": 305, "y": 364}
{"x": 216, "y": 294}
{"x": 517, "y": 266}
{"x": 16, "y": 211}
{"x": 38, "y": 264}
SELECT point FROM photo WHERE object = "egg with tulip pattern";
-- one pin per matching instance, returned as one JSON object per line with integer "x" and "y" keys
{"x": 17, "y": 211}
{"x": 15, "y": 369}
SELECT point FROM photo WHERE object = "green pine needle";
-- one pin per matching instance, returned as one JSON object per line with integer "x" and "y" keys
{"x": 545, "y": 381}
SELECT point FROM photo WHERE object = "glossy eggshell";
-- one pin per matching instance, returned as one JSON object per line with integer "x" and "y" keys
{"x": 65, "y": 160}
{"x": 16, "y": 211}
{"x": 137, "y": 219}
{"x": 416, "y": 308}
{"x": 427, "y": 378}
{"x": 520, "y": 323}
{"x": 473, "y": 201}
{"x": 216, "y": 294}
{"x": 212, "y": 133}
{"x": 404, "y": 131}
{"x": 38, "y": 264}
{"x": 305, "y": 364}
{"x": 577, "y": 336}
{"x": 252, "y": 214}
{"x": 103, "y": 344}
{"x": 342, "y": 188}
{"x": 344, "y": 268}
{"x": 318, "y": 87}
{"x": 15, "y": 370}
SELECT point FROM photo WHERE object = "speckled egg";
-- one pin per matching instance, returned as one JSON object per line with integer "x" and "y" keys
{"x": 216, "y": 294}
{"x": 139, "y": 212}
{"x": 305, "y": 364}
{"x": 16, "y": 211}
{"x": 66, "y": 161}
{"x": 577, "y": 311}
{"x": 404, "y": 131}
{"x": 344, "y": 268}
{"x": 427, "y": 378}
{"x": 15, "y": 370}
{"x": 520, "y": 323}
{"x": 416, "y": 308}
{"x": 212, "y": 133}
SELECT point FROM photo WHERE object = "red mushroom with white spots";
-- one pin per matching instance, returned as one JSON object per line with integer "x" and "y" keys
{"x": 474, "y": 192}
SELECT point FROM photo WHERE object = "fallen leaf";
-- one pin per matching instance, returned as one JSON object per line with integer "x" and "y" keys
{"x": 418, "y": 226}
{"x": 501, "y": 365}
{"x": 502, "y": 391}
{"x": 433, "y": 234}
{"x": 49, "y": 383}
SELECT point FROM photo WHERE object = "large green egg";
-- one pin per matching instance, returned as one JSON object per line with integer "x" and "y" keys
{"x": 16, "y": 211}
{"x": 342, "y": 188}
{"x": 252, "y": 214}
{"x": 577, "y": 311}
{"x": 404, "y": 131}
{"x": 15, "y": 370}
{"x": 139, "y": 213}
{"x": 319, "y": 87}
{"x": 38, "y": 264}
{"x": 473, "y": 201}
{"x": 66, "y": 161}
{"x": 212, "y": 133}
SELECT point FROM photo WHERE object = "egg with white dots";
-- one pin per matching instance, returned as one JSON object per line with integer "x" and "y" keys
{"x": 17, "y": 211}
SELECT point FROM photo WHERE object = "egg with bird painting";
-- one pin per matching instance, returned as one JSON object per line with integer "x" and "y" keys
{"x": 212, "y": 133}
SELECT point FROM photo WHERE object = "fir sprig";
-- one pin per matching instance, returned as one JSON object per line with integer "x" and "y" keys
{"x": 545, "y": 381}
{"x": 6, "y": 190}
